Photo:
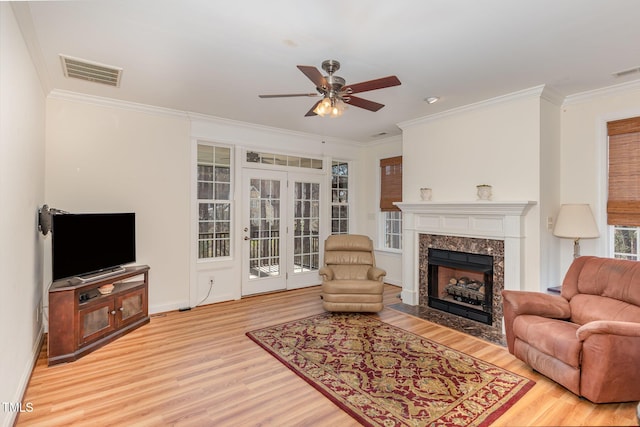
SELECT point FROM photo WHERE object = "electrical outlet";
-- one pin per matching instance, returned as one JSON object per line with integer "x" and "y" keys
{"x": 212, "y": 280}
{"x": 550, "y": 223}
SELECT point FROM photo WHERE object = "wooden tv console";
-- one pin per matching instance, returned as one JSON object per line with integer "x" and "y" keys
{"x": 81, "y": 319}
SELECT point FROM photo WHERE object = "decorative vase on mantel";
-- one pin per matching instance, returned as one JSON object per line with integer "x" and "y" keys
{"x": 425, "y": 194}
{"x": 484, "y": 192}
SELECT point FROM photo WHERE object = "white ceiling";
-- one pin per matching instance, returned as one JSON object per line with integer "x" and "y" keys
{"x": 214, "y": 57}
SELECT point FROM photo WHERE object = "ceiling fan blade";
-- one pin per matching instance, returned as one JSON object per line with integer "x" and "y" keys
{"x": 363, "y": 103}
{"x": 372, "y": 85}
{"x": 288, "y": 95}
{"x": 310, "y": 112}
{"x": 314, "y": 75}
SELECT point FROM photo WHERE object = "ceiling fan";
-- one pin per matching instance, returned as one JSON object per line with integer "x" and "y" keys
{"x": 336, "y": 93}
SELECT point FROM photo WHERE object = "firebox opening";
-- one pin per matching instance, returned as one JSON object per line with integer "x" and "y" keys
{"x": 461, "y": 283}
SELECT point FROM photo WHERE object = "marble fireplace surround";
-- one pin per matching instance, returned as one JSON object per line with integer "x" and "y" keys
{"x": 492, "y": 247}
{"x": 499, "y": 220}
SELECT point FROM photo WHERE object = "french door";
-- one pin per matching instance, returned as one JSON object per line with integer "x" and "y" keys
{"x": 281, "y": 230}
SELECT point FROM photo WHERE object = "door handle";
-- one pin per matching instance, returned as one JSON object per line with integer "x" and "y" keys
{"x": 246, "y": 238}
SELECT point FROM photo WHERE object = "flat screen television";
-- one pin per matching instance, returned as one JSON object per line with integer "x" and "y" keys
{"x": 89, "y": 243}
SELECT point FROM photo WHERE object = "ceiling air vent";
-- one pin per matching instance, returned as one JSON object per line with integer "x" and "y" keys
{"x": 91, "y": 71}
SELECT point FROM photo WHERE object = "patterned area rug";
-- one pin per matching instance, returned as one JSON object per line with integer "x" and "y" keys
{"x": 385, "y": 376}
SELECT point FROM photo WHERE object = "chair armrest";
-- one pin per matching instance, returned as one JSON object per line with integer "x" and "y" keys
{"x": 539, "y": 304}
{"x": 376, "y": 273}
{"x": 612, "y": 327}
{"x": 326, "y": 273}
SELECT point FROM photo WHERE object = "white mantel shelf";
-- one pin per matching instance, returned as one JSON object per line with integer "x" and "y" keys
{"x": 502, "y": 220}
{"x": 480, "y": 207}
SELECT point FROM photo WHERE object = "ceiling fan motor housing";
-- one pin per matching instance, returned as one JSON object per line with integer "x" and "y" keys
{"x": 330, "y": 66}
{"x": 335, "y": 84}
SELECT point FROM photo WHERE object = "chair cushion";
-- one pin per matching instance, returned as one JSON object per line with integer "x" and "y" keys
{"x": 348, "y": 242}
{"x": 556, "y": 338}
{"x": 350, "y": 272}
{"x": 607, "y": 277}
{"x": 348, "y": 258}
{"x": 587, "y": 308}
{"x": 353, "y": 287}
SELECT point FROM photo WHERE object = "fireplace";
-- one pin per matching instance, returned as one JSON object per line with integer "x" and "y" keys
{"x": 461, "y": 283}
{"x": 479, "y": 260}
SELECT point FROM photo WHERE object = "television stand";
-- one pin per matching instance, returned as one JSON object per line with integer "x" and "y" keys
{"x": 81, "y": 319}
{"x": 100, "y": 274}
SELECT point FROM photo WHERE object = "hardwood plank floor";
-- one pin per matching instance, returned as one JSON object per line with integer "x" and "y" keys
{"x": 197, "y": 368}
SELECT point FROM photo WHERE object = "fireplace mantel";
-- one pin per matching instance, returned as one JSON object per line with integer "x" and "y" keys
{"x": 500, "y": 220}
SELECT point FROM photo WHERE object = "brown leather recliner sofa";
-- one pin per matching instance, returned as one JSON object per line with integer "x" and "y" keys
{"x": 588, "y": 337}
{"x": 351, "y": 282}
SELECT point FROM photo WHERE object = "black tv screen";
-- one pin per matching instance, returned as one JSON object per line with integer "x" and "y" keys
{"x": 89, "y": 243}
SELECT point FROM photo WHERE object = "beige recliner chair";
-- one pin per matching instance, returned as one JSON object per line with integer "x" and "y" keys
{"x": 350, "y": 279}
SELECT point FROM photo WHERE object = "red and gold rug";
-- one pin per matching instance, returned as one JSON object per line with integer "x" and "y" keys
{"x": 385, "y": 376}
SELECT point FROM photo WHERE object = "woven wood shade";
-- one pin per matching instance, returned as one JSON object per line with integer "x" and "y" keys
{"x": 390, "y": 183}
{"x": 623, "y": 204}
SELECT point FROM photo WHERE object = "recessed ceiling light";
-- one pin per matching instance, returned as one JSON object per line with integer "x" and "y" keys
{"x": 432, "y": 99}
{"x": 627, "y": 72}
{"x": 379, "y": 134}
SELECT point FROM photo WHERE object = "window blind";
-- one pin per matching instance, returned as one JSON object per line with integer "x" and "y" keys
{"x": 623, "y": 203}
{"x": 390, "y": 183}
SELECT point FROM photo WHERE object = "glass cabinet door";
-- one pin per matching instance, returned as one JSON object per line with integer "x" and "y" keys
{"x": 96, "y": 320}
{"x": 131, "y": 306}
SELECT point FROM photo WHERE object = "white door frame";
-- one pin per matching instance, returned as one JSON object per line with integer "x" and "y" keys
{"x": 289, "y": 276}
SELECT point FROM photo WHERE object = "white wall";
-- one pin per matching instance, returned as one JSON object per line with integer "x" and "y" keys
{"x": 584, "y": 156}
{"x": 502, "y": 142}
{"x": 367, "y": 216}
{"x": 22, "y": 141}
{"x": 107, "y": 156}
{"x": 108, "y": 159}
{"x": 550, "y": 187}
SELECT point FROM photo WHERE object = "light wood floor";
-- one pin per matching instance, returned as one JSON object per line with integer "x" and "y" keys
{"x": 198, "y": 368}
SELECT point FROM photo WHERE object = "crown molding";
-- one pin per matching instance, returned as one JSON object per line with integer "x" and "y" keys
{"x": 605, "y": 91}
{"x": 270, "y": 129}
{"x": 100, "y": 101}
{"x": 536, "y": 91}
{"x": 191, "y": 116}
{"x": 552, "y": 95}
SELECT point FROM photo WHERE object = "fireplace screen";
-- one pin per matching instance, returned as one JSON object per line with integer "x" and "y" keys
{"x": 461, "y": 283}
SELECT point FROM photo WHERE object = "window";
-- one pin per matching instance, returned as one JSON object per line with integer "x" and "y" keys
{"x": 339, "y": 197}
{"x": 214, "y": 201}
{"x": 623, "y": 203}
{"x": 625, "y": 242}
{"x": 393, "y": 230}
{"x": 283, "y": 160}
{"x": 391, "y": 191}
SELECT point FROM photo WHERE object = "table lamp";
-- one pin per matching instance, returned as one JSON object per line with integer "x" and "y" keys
{"x": 575, "y": 221}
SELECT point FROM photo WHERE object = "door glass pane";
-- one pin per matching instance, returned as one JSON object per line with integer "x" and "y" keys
{"x": 131, "y": 306}
{"x": 306, "y": 222}
{"x": 264, "y": 228}
{"x": 95, "y": 321}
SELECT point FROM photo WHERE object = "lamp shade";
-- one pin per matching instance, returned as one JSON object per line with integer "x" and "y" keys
{"x": 575, "y": 221}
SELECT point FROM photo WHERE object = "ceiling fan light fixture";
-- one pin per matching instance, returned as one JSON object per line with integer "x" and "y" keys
{"x": 330, "y": 106}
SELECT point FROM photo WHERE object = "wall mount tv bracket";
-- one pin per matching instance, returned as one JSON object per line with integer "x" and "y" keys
{"x": 44, "y": 218}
